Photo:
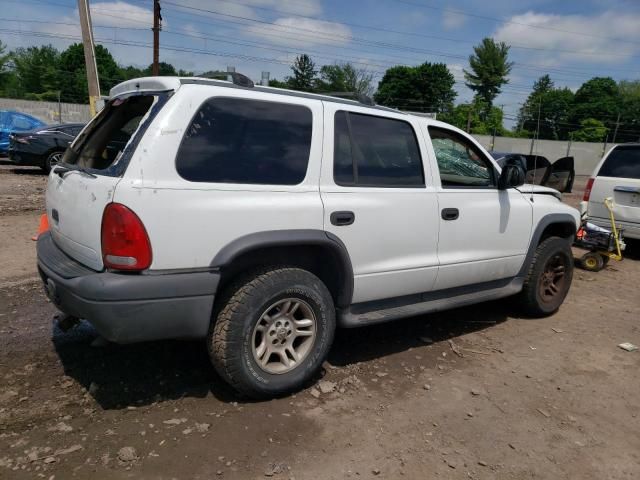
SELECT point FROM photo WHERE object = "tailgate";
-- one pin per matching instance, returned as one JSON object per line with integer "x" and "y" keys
{"x": 81, "y": 186}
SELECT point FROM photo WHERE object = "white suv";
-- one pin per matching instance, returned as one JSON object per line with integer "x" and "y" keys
{"x": 260, "y": 219}
{"x": 616, "y": 176}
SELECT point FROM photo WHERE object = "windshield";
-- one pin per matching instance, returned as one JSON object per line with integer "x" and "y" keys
{"x": 102, "y": 144}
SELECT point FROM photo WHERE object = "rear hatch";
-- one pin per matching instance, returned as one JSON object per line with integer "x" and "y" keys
{"x": 619, "y": 178}
{"x": 84, "y": 182}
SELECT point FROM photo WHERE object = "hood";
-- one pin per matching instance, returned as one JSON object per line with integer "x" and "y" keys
{"x": 527, "y": 188}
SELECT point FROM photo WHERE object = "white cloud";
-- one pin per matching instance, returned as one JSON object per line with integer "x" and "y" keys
{"x": 121, "y": 14}
{"x": 596, "y": 36}
{"x": 452, "y": 20}
{"x": 302, "y": 32}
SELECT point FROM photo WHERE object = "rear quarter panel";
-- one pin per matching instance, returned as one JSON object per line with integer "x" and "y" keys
{"x": 189, "y": 222}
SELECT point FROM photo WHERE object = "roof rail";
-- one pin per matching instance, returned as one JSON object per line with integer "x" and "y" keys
{"x": 358, "y": 97}
{"x": 236, "y": 78}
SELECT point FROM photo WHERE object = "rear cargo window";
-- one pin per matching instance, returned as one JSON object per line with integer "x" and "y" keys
{"x": 103, "y": 142}
{"x": 623, "y": 162}
{"x": 234, "y": 140}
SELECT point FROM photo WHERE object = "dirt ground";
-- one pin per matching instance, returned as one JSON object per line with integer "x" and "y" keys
{"x": 472, "y": 393}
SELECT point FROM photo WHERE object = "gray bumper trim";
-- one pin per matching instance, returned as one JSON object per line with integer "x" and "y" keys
{"x": 127, "y": 308}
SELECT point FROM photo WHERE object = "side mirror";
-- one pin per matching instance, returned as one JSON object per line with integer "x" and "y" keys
{"x": 512, "y": 176}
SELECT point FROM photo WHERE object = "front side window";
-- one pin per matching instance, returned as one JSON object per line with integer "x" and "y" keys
{"x": 234, "y": 140}
{"x": 460, "y": 162}
{"x": 372, "y": 151}
{"x": 622, "y": 162}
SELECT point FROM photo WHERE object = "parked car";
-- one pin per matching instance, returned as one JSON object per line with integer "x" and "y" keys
{"x": 558, "y": 175}
{"x": 11, "y": 121}
{"x": 259, "y": 219}
{"x": 616, "y": 176}
{"x": 42, "y": 147}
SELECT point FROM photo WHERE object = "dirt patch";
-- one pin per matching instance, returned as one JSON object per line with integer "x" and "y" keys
{"x": 21, "y": 189}
{"x": 472, "y": 393}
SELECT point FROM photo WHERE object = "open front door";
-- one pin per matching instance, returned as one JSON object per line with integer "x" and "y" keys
{"x": 561, "y": 175}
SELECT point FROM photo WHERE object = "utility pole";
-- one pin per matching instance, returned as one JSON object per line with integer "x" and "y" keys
{"x": 89, "y": 55}
{"x": 469, "y": 120}
{"x": 157, "y": 19}
{"x": 569, "y": 144}
{"x": 59, "y": 109}
{"x": 615, "y": 132}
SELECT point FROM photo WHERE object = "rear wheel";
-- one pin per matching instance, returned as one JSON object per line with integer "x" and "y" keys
{"x": 549, "y": 277}
{"x": 52, "y": 160}
{"x": 272, "y": 332}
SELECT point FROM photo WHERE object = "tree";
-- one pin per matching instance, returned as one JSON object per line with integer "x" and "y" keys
{"x": 591, "y": 130}
{"x": 469, "y": 114}
{"x": 304, "y": 74}
{"x": 278, "y": 83}
{"x": 427, "y": 87}
{"x": 555, "y": 106}
{"x": 164, "y": 70}
{"x": 4, "y": 60}
{"x": 489, "y": 70}
{"x": 345, "y": 78}
{"x": 629, "y": 130}
{"x": 37, "y": 72}
{"x": 597, "y": 98}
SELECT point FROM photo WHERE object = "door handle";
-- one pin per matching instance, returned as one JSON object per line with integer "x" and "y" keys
{"x": 341, "y": 219}
{"x": 450, "y": 213}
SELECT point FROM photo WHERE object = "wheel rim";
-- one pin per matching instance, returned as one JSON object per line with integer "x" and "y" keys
{"x": 591, "y": 262}
{"x": 553, "y": 279}
{"x": 284, "y": 335}
{"x": 54, "y": 159}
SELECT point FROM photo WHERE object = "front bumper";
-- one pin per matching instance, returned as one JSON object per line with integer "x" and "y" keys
{"x": 128, "y": 308}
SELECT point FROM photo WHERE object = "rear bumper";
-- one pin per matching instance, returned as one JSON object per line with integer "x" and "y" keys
{"x": 629, "y": 229}
{"x": 25, "y": 158}
{"x": 126, "y": 308}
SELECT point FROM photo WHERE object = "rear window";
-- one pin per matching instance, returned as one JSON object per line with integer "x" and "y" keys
{"x": 234, "y": 140}
{"x": 103, "y": 143}
{"x": 623, "y": 162}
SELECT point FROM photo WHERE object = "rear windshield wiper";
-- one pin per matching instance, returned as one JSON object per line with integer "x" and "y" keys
{"x": 60, "y": 170}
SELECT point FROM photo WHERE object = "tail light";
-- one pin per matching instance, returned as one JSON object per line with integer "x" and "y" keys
{"x": 587, "y": 190}
{"x": 125, "y": 243}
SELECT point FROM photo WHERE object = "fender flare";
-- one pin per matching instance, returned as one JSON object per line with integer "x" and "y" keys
{"x": 290, "y": 238}
{"x": 544, "y": 222}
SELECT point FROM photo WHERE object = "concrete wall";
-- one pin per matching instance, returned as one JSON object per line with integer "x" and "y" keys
{"x": 586, "y": 155}
{"x": 48, "y": 111}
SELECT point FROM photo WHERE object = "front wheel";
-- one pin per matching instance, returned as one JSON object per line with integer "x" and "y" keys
{"x": 272, "y": 332}
{"x": 549, "y": 278}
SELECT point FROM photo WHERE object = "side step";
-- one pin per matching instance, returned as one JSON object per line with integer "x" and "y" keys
{"x": 370, "y": 313}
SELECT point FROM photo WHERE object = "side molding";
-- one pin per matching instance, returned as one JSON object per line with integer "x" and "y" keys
{"x": 544, "y": 222}
{"x": 290, "y": 238}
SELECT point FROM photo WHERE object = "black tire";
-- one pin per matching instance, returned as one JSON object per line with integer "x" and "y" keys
{"x": 231, "y": 340}
{"x": 593, "y": 262}
{"x": 552, "y": 263}
{"x": 52, "y": 159}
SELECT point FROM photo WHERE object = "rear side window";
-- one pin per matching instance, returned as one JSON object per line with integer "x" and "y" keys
{"x": 234, "y": 140}
{"x": 372, "y": 151}
{"x": 102, "y": 144}
{"x": 623, "y": 162}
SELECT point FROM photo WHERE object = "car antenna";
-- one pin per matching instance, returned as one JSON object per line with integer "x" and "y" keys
{"x": 536, "y": 138}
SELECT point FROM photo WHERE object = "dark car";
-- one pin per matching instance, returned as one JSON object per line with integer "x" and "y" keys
{"x": 539, "y": 170}
{"x": 42, "y": 147}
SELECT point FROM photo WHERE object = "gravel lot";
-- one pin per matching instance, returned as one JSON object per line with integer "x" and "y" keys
{"x": 471, "y": 393}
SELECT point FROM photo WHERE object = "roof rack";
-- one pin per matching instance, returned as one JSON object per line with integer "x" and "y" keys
{"x": 236, "y": 78}
{"x": 358, "y": 97}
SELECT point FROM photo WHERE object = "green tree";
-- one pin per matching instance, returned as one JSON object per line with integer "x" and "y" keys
{"x": 72, "y": 65}
{"x": 597, "y": 98}
{"x": 490, "y": 68}
{"x": 555, "y": 106}
{"x": 591, "y": 130}
{"x": 470, "y": 114}
{"x": 37, "y": 72}
{"x": 4, "y": 61}
{"x": 345, "y": 78}
{"x": 629, "y": 130}
{"x": 278, "y": 83}
{"x": 304, "y": 74}
{"x": 164, "y": 70}
{"x": 427, "y": 87}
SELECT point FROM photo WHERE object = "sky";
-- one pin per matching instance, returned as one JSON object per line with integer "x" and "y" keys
{"x": 571, "y": 40}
